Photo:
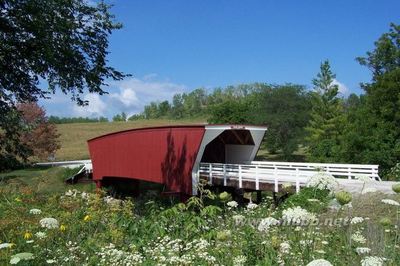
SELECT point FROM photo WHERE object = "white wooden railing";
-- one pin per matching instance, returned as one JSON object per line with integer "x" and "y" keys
{"x": 279, "y": 173}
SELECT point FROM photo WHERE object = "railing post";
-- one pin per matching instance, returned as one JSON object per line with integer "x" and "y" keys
{"x": 240, "y": 176}
{"x": 276, "y": 178}
{"x": 224, "y": 175}
{"x": 257, "y": 179}
{"x": 210, "y": 174}
{"x": 349, "y": 173}
{"x": 297, "y": 180}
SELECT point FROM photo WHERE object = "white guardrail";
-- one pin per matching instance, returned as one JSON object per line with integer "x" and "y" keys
{"x": 283, "y": 172}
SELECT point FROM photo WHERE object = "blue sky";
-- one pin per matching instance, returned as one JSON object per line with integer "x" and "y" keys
{"x": 175, "y": 46}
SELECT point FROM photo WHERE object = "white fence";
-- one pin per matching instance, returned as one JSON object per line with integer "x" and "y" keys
{"x": 279, "y": 173}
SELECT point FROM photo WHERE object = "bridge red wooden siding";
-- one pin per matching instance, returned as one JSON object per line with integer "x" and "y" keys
{"x": 164, "y": 155}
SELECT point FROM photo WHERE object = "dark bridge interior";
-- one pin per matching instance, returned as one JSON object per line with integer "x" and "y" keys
{"x": 215, "y": 150}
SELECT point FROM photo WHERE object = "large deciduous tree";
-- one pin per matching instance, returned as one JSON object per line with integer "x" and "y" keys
{"x": 49, "y": 45}
{"x": 373, "y": 132}
{"x": 285, "y": 110}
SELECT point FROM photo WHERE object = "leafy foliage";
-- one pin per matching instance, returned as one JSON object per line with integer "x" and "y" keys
{"x": 68, "y": 120}
{"x": 59, "y": 43}
{"x": 372, "y": 132}
{"x": 39, "y": 135}
{"x": 285, "y": 110}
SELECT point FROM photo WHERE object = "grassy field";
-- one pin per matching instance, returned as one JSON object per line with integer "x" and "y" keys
{"x": 74, "y": 136}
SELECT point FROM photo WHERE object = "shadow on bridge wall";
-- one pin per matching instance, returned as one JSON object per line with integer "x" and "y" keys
{"x": 177, "y": 165}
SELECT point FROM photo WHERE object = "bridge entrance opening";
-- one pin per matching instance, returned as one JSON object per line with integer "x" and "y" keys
{"x": 231, "y": 146}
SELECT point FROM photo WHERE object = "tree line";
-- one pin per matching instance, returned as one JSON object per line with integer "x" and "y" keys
{"x": 69, "y": 120}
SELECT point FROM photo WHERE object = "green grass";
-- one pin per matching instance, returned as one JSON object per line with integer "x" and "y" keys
{"x": 39, "y": 180}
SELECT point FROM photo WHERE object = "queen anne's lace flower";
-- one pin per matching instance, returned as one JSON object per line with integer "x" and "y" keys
{"x": 6, "y": 245}
{"x": 232, "y": 204}
{"x": 40, "y": 235}
{"x": 110, "y": 255}
{"x": 251, "y": 206}
{"x": 356, "y": 220}
{"x": 363, "y": 250}
{"x": 297, "y": 215}
{"x": 322, "y": 181}
{"x": 266, "y": 223}
{"x": 358, "y": 237}
{"x": 15, "y": 259}
{"x": 372, "y": 261}
{"x": 391, "y": 202}
{"x": 239, "y": 260}
{"x": 319, "y": 262}
{"x": 49, "y": 223}
{"x": 284, "y": 248}
{"x": 35, "y": 211}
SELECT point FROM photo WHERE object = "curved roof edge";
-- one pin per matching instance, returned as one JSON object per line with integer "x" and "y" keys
{"x": 206, "y": 126}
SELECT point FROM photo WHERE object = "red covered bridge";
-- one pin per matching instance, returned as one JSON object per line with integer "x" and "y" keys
{"x": 178, "y": 156}
{"x": 171, "y": 155}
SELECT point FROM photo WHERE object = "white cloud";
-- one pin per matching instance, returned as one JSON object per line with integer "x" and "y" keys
{"x": 95, "y": 108}
{"x": 342, "y": 88}
{"x": 129, "y": 95}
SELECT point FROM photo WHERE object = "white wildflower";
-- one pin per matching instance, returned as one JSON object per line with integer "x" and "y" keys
{"x": 238, "y": 218}
{"x": 324, "y": 242}
{"x": 35, "y": 211}
{"x": 319, "y": 262}
{"x": 251, "y": 206}
{"x": 232, "y": 204}
{"x": 391, "y": 202}
{"x": 112, "y": 202}
{"x": 239, "y": 260}
{"x": 40, "y": 235}
{"x": 322, "y": 181}
{"x": 266, "y": 223}
{"x": 306, "y": 242}
{"x": 372, "y": 261}
{"x": 71, "y": 193}
{"x": 49, "y": 223}
{"x": 284, "y": 247}
{"x": 84, "y": 195}
{"x": 297, "y": 215}
{"x": 6, "y": 245}
{"x": 358, "y": 237}
{"x": 356, "y": 220}
{"x": 51, "y": 261}
{"x": 363, "y": 250}
{"x": 109, "y": 255}
{"x": 21, "y": 256}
